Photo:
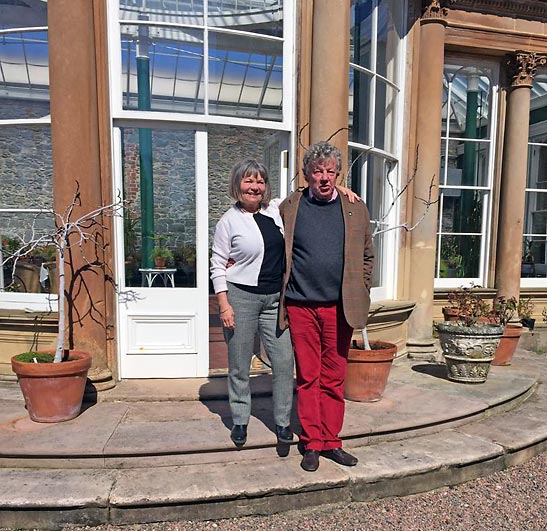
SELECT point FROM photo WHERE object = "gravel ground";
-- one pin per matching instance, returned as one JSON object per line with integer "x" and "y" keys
{"x": 512, "y": 500}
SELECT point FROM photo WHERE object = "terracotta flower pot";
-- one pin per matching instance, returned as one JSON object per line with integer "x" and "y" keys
{"x": 53, "y": 392}
{"x": 368, "y": 371}
{"x": 160, "y": 262}
{"x": 508, "y": 345}
{"x": 450, "y": 314}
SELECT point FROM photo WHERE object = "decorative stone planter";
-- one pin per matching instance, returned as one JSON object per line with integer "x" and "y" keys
{"x": 368, "y": 371}
{"x": 469, "y": 350}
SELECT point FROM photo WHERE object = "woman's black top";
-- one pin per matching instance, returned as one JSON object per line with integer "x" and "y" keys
{"x": 270, "y": 278}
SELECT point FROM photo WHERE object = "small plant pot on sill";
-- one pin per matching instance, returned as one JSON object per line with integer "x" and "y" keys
{"x": 53, "y": 392}
{"x": 508, "y": 345}
{"x": 528, "y": 322}
{"x": 368, "y": 370}
{"x": 450, "y": 314}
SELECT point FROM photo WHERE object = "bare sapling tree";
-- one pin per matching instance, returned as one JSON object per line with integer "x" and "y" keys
{"x": 79, "y": 247}
{"x": 385, "y": 223}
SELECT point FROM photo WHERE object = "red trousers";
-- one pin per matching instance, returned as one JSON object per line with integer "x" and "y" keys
{"x": 321, "y": 339}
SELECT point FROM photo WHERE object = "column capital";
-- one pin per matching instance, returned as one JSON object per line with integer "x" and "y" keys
{"x": 435, "y": 10}
{"x": 522, "y": 67}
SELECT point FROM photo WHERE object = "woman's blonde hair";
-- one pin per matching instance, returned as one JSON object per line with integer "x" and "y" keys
{"x": 253, "y": 168}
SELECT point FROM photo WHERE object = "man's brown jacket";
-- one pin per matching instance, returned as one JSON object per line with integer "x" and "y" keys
{"x": 358, "y": 258}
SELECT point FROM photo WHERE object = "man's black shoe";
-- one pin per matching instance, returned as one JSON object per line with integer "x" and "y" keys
{"x": 310, "y": 461}
{"x": 284, "y": 434}
{"x": 340, "y": 456}
{"x": 239, "y": 434}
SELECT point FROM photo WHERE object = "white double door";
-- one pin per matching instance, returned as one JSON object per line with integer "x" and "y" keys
{"x": 163, "y": 331}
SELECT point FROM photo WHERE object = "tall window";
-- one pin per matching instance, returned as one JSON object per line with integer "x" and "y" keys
{"x": 534, "y": 256}
{"x": 374, "y": 116}
{"x": 25, "y": 150}
{"x": 466, "y": 173}
{"x": 211, "y": 65}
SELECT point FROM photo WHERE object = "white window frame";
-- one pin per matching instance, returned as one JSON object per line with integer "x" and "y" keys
{"x": 536, "y": 130}
{"x": 481, "y": 279}
{"x": 159, "y": 117}
{"x": 388, "y": 289}
{"x": 29, "y": 302}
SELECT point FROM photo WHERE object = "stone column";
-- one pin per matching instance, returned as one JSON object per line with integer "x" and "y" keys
{"x": 420, "y": 343}
{"x": 75, "y": 75}
{"x": 330, "y": 74}
{"x": 522, "y": 69}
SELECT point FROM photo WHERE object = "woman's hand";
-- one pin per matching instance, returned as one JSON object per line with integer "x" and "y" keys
{"x": 350, "y": 194}
{"x": 227, "y": 317}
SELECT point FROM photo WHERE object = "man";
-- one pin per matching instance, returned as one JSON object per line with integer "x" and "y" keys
{"x": 326, "y": 294}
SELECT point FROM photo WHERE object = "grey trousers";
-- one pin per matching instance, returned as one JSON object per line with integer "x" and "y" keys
{"x": 258, "y": 313}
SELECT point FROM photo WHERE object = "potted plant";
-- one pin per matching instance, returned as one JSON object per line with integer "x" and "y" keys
{"x": 451, "y": 259}
{"x": 503, "y": 310}
{"x": 53, "y": 383}
{"x": 48, "y": 268}
{"x": 525, "y": 310}
{"x": 161, "y": 254}
{"x": 369, "y": 365}
{"x": 451, "y": 312}
{"x": 469, "y": 344}
{"x": 25, "y": 273}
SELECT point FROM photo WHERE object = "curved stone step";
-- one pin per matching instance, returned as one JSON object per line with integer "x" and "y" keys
{"x": 263, "y": 486}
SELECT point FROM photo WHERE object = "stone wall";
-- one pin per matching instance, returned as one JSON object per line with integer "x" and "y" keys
{"x": 174, "y": 172}
{"x": 25, "y": 167}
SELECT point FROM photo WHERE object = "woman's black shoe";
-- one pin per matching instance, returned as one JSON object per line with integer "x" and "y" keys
{"x": 284, "y": 434}
{"x": 239, "y": 434}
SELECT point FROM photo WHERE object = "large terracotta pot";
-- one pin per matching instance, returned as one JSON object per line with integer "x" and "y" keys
{"x": 53, "y": 392}
{"x": 508, "y": 345}
{"x": 468, "y": 350}
{"x": 368, "y": 371}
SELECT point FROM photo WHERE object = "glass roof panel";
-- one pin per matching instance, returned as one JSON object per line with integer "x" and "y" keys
{"x": 24, "y": 74}
{"x": 175, "y": 68}
{"x": 245, "y": 77}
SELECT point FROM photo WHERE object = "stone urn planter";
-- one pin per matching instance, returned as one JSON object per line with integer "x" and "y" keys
{"x": 368, "y": 370}
{"x": 53, "y": 392}
{"x": 508, "y": 345}
{"x": 469, "y": 350}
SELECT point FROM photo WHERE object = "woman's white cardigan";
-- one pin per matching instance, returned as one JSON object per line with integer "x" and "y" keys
{"x": 237, "y": 236}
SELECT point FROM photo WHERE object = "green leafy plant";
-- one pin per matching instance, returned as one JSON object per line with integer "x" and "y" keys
{"x": 503, "y": 309}
{"x": 160, "y": 250}
{"x": 451, "y": 259}
{"x": 525, "y": 308}
{"x": 47, "y": 253}
{"x": 10, "y": 245}
{"x": 186, "y": 254}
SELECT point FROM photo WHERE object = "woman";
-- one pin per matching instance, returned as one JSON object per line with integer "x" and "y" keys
{"x": 249, "y": 237}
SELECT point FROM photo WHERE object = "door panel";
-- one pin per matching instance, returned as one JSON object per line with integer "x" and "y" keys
{"x": 163, "y": 312}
